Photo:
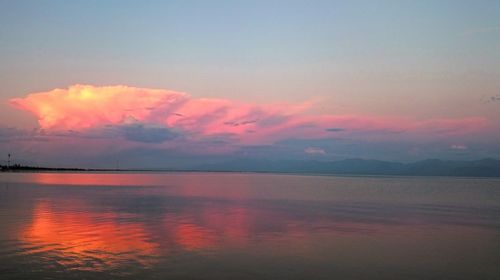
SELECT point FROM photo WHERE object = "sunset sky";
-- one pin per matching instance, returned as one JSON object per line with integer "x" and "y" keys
{"x": 161, "y": 84}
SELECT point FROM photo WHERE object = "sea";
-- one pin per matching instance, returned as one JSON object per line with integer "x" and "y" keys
{"x": 189, "y": 225}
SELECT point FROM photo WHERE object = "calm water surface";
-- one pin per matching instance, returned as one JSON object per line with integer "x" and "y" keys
{"x": 247, "y": 226}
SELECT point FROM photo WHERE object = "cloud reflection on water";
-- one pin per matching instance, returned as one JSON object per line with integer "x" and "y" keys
{"x": 92, "y": 223}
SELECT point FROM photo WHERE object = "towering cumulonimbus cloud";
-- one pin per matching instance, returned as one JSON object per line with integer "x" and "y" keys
{"x": 84, "y": 107}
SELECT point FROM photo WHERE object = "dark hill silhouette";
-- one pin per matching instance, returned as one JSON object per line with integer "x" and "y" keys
{"x": 430, "y": 167}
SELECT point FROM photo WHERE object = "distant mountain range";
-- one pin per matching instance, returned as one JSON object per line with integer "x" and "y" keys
{"x": 487, "y": 167}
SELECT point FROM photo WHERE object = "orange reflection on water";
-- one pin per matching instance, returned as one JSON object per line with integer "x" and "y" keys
{"x": 214, "y": 226}
{"x": 88, "y": 179}
{"x": 71, "y": 231}
{"x": 232, "y": 225}
{"x": 85, "y": 240}
{"x": 193, "y": 237}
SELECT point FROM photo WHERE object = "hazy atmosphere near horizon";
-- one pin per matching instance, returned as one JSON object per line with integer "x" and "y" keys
{"x": 174, "y": 84}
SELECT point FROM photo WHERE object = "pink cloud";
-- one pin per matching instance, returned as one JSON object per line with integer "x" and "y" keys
{"x": 84, "y": 107}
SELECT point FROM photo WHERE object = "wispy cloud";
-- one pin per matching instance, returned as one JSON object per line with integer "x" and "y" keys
{"x": 494, "y": 98}
{"x": 458, "y": 147}
{"x": 335, "y": 129}
{"x": 314, "y": 151}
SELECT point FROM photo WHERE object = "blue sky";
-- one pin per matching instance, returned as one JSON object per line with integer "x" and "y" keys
{"x": 418, "y": 60}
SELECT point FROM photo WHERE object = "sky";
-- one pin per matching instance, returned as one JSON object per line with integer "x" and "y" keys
{"x": 172, "y": 84}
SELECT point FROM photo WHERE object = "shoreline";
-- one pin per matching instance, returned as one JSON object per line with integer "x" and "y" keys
{"x": 98, "y": 170}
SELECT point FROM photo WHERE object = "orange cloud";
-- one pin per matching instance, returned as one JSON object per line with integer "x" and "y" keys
{"x": 82, "y": 107}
